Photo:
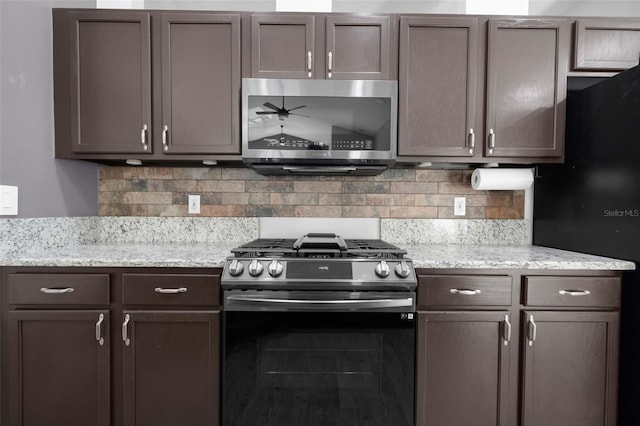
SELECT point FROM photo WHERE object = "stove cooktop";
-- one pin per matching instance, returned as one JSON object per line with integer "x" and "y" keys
{"x": 319, "y": 262}
{"x": 319, "y": 245}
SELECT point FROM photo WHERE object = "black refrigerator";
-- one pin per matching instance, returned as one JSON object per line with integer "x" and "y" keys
{"x": 591, "y": 203}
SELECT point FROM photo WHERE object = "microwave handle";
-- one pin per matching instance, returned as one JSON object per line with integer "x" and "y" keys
{"x": 327, "y": 169}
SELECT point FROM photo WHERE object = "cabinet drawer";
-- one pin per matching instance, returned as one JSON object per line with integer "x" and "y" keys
{"x": 572, "y": 291}
{"x": 58, "y": 289}
{"x": 455, "y": 290}
{"x": 170, "y": 289}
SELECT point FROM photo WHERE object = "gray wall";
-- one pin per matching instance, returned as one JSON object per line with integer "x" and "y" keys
{"x": 46, "y": 187}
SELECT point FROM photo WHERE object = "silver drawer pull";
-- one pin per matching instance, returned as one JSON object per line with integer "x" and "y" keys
{"x": 574, "y": 292}
{"x": 533, "y": 330}
{"x": 464, "y": 291}
{"x": 125, "y": 335}
{"x": 170, "y": 290}
{"x": 165, "y": 133}
{"x": 99, "y": 337}
{"x": 507, "y": 337}
{"x": 57, "y": 290}
{"x": 309, "y": 64}
{"x": 143, "y": 137}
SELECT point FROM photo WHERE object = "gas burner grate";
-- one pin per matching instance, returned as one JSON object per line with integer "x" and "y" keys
{"x": 283, "y": 248}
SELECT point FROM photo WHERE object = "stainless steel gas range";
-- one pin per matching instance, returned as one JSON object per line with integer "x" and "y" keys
{"x": 318, "y": 330}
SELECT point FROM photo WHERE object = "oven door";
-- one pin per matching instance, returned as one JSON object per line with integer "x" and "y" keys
{"x": 333, "y": 364}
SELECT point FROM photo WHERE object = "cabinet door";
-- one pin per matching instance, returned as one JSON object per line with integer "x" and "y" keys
{"x": 570, "y": 364}
{"x": 606, "y": 45}
{"x": 526, "y": 88}
{"x": 171, "y": 368}
{"x": 59, "y": 370}
{"x": 110, "y": 76}
{"x": 282, "y": 46}
{"x": 358, "y": 47}
{"x": 437, "y": 86}
{"x": 200, "y": 83}
{"x": 463, "y": 368}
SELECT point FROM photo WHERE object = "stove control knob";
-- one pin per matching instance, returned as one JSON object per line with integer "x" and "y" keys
{"x": 255, "y": 268}
{"x": 235, "y": 268}
{"x": 402, "y": 269}
{"x": 275, "y": 268}
{"x": 382, "y": 269}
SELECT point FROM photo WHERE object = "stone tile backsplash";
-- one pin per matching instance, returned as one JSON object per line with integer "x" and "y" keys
{"x": 241, "y": 192}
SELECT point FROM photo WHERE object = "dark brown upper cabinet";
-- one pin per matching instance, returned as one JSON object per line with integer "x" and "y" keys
{"x": 282, "y": 46}
{"x": 109, "y": 78}
{"x": 318, "y": 46}
{"x": 358, "y": 47}
{"x": 438, "y": 63}
{"x": 146, "y": 85}
{"x": 455, "y": 107}
{"x": 569, "y": 365}
{"x": 526, "y": 88}
{"x": 606, "y": 44}
{"x": 200, "y": 83}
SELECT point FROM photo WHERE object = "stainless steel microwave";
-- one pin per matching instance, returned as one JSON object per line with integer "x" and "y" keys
{"x": 319, "y": 126}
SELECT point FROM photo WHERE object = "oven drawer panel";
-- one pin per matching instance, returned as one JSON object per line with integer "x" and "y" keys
{"x": 58, "y": 289}
{"x": 171, "y": 289}
{"x": 467, "y": 290}
{"x": 572, "y": 291}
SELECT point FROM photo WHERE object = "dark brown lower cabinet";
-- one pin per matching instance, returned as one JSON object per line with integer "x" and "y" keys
{"x": 463, "y": 368}
{"x": 60, "y": 368}
{"x": 171, "y": 368}
{"x": 570, "y": 362}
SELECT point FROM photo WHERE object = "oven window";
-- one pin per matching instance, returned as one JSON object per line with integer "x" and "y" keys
{"x": 284, "y": 368}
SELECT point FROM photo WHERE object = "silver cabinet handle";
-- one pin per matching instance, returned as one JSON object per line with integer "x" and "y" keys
{"x": 330, "y": 67}
{"x": 533, "y": 330}
{"x": 309, "y": 64}
{"x": 507, "y": 326}
{"x": 464, "y": 291}
{"x": 57, "y": 290}
{"x": 165, "y": 132}
{"x": 125, "y": 336}
{"x": 472, "y": 141}
{"x": 99, "y": 337}
{"x": 492, "y": 141}
{"x": 574, "y": 292}
{"x": 170, "y": 290}
{"x": 143, "y": 137}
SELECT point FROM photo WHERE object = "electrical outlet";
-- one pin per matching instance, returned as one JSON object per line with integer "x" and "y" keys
{"x": 8, "y": 200}
{"x": 194, "y": 204}
{"x": 459, "y": 206}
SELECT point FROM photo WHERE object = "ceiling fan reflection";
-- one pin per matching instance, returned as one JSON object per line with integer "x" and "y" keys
{"x": 281, "y": 112}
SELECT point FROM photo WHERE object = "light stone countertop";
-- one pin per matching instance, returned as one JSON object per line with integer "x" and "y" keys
{"x": 166, "y": 255}
{"x": 208, "y": 255}
{"x": 451, "y": 256}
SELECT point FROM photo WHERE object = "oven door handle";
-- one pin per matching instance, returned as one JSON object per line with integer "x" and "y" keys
{"x": 255, "y": 303}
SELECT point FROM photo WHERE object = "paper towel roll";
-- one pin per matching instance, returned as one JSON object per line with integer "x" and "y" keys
{"x": 501, "y": 179}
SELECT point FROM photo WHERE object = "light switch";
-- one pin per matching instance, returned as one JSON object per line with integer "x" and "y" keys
{"x": 8, "y": 200}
